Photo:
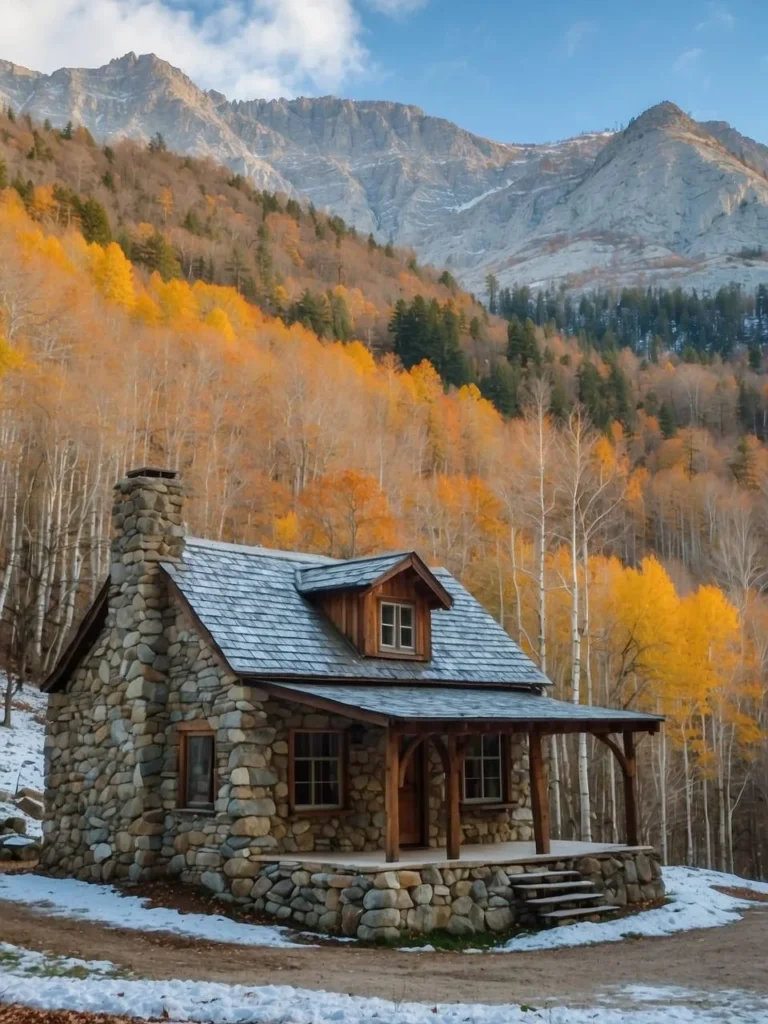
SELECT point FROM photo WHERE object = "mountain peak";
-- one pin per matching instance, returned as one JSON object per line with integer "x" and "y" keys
{"x": 662, "y": 115}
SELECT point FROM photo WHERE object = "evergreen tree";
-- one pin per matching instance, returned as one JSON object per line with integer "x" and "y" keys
{"x": 68, "y": 131}
{"x": 522, "y": 346}
{"x": 157, "y": 254}
{"x": 492, "y": 284}
{"x": 502, "y": 387}
{"x": 94, "y": 222}
{"x": 667, "y": 420}
{"x": 157, "y": 144}
{"x": 744, "y": 464}
{"x": 3, "y": 174}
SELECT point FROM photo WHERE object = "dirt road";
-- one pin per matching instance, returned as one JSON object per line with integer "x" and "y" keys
{"x": 732, "y": 957}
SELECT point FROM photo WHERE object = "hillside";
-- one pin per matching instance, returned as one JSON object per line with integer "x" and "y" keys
{"x": 666, "y": 202}
{"x": 193, "y": 219}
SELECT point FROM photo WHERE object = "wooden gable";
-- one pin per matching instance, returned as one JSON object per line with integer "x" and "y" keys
{"x": 357, "y": 613}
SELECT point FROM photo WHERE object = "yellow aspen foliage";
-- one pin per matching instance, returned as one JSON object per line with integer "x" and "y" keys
{"x": 43, "y": 204}
{"x": 219, "y": 321}
{"x": 146, "y": 310}
{"x": 346, "y": 514}
{"x": 177, "y": 301}
{"x": 10, "y": 358}
{"x": 165, "y": 202}
{"x": 113, "y": 274}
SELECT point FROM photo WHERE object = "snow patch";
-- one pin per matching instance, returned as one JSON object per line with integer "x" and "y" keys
{"x": 84, "y": 901}
{"x": 693, "y": 904}
{"x": 21, "y": 751}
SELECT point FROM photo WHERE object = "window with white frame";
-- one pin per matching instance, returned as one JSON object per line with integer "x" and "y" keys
{"x": 397, "y": 627}
{"x": 317, "y": 778}
{"x": 483, "y": 770}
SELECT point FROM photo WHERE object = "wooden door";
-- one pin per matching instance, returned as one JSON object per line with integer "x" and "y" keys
{"x": 412, "y": 802}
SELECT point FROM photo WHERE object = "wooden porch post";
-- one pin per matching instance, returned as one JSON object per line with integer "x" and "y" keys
{"x": 539, "y": 797}
{"x": 392, "y": 795}
{"x": 453, "y": 808}
{"x": 630, "y": 790}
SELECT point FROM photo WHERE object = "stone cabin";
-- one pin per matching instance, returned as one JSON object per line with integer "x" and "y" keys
{"x": 224, "y": 711}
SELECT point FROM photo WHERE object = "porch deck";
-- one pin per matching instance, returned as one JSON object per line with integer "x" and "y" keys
{"x": 470, "y": 855}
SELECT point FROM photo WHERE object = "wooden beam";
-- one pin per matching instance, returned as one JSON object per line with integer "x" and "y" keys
{"x": 614, "y": 746}
{"x": 539, "y": 796}
{"x": 453, "y": 799}
{"x": 392, "y": 795}
{"x": 630, "y": 790}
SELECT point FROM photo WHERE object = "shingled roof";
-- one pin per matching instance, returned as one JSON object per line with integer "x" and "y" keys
{"x": 464, "y": 704}
{"x": 360, "y": 573}
{"x": 250, "y": 602}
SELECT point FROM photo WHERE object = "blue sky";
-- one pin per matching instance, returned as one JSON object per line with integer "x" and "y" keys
{"x": 541, "y": 71}
{"x": 514, "y": 71}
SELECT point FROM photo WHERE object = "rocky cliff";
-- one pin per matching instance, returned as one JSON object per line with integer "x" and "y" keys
{"x": 667, "y": 201}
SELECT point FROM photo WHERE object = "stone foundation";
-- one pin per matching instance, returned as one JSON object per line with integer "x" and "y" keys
{"x": 380, "y": 905}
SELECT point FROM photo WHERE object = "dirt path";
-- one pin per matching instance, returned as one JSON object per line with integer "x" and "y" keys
{"x": 733, "y": 957}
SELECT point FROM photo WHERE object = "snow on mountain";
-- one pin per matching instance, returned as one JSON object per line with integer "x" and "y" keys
{"x": 666, "y": 201}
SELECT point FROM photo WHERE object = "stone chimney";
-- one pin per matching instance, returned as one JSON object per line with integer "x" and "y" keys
{"x": 147, "y": 528}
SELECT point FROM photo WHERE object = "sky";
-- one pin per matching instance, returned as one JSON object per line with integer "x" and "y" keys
{"x": 511, "y": 70}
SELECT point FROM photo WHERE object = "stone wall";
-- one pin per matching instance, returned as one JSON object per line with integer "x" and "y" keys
{"x": 387, "y": 904}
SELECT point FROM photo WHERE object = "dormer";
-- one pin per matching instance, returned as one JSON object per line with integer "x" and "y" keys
{"x": 382, "y": 604}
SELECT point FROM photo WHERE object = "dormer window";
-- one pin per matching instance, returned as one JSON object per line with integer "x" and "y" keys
{"x": 397, "y": 627}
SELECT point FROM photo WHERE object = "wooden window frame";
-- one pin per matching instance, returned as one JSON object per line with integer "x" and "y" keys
{"x": 397, "y": 651}
{"x": 310, "y": 810}
{"x": 505, "y": 769}
{"x": 187, "y": 730}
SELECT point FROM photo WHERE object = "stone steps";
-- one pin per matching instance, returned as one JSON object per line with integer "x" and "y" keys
{"x": 567, "y": 897}
{"x": 537, "y": 876}
{"x": 563, "y": 915}
{"x": 555, "y": 886}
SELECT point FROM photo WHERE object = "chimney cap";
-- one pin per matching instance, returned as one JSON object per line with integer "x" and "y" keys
{"x": 153, "y": 471}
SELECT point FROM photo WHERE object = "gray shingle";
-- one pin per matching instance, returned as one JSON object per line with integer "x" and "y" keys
{"x": 248, "y": 600}
{"x": 358, "y": 572}
{"x": 464, "y": 704}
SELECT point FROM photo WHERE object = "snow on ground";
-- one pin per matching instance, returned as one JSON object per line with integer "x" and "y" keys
{"x": 104, "y": 904}
{"x": 21, "y": 750}
{"x": 693, "y": 904}
{"x": 37, "y": 980}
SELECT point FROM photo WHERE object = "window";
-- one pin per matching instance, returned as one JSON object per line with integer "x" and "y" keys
{"x": 483, "y": 774}
{"x": 397, "y": 627}
{"x": 317, "y": 769}
{"x": 197, "y": 770}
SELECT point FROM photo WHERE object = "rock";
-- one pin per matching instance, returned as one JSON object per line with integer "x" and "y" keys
{"x": 422, "y": 894}
{"x": 387, "y": 880}
{"x": 499, "y": 919}
{"x": 462, "y": 906}
{"x": 239, "y": 867}
{"x": 102, "y": 852}
{"x": 408, "y": 879}
{"x": 387, "y": 918}
{"x": 460, "y": 926}
{"x": 261, "y": 887}
{"x": 34, "y": 808}
{"x": 643, "y": 869}
{"x": 18, "y": 825}
{"x": 379, "y": 899}
{"x": 422, "y": 919}
{"x": 350, "y": 919}
{"x": 213, "y": 880}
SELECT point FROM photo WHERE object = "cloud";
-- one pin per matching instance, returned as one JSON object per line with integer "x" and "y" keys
{"x": 244, "y": 48}
{"x": 718, "y": 17}
{"x": 688, "y": 61}
{"x": 577, "y": 33}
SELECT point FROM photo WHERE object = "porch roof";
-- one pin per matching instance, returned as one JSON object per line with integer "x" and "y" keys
{"x": 466, "y": 704}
